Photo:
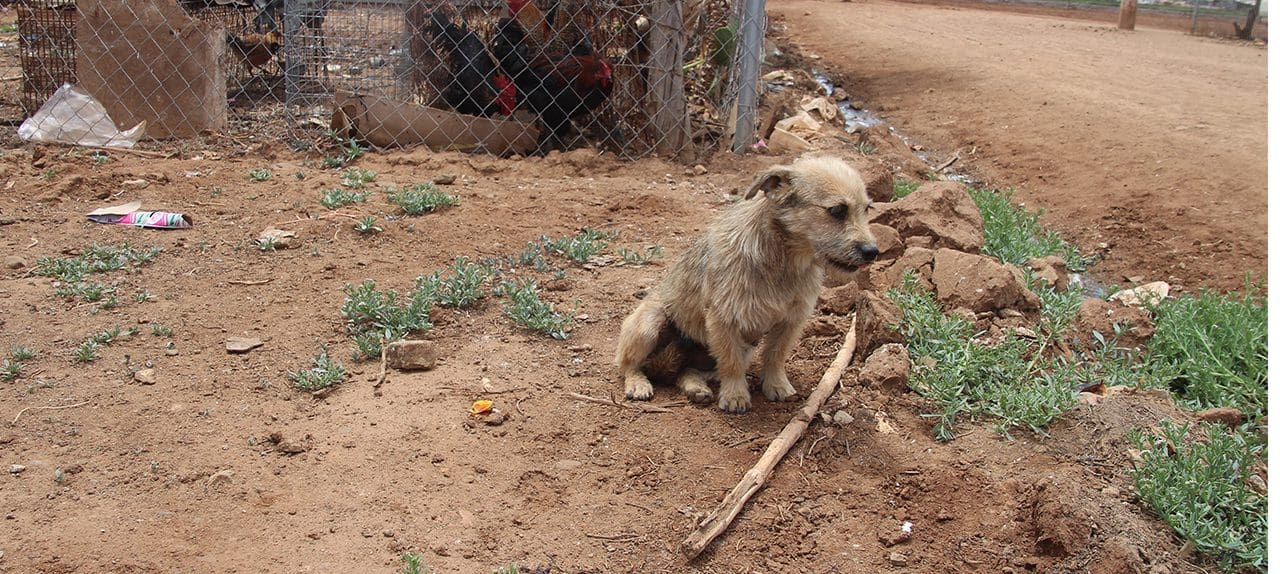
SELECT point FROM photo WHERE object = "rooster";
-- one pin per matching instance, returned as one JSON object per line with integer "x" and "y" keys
{"x": 254, "y": 50}
{"x": 555, "y": 86}
{"x": 475, "y": 86}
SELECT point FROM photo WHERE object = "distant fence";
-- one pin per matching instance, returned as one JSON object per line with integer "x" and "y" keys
{"x": 1211, "y": 18}
{"x": 637, "y": 77}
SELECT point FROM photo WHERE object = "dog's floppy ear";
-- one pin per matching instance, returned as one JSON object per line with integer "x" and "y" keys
{"x": 769, "y": 182}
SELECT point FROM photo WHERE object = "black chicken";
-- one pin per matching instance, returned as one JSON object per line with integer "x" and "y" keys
{"x": 475, "y": 87}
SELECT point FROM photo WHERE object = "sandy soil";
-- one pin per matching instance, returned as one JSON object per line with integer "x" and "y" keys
{"x": 182, "y": 474}
{"x": 1153, "y": 142}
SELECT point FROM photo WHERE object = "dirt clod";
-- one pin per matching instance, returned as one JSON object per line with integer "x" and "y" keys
{"x": 236, "y": 345}
{"x": 980, "y": 283}
{"x": 1224, "y": 415}
{"x": 940, "y": 210}
{"x": 145, "y": 376}
{"x": 876, "y": 315}
{"x": 886, "y": 369}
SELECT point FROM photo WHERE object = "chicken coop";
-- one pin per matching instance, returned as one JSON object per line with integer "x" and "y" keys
{"x": 636, "y": 77}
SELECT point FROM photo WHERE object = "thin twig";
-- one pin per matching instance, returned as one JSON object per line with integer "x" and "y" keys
{"x": 382, "y": 372}
{"x": 611, "y": 401}
{"x": 615, "y": 537}
{"x": 15, "y": 419}
{"x": 641, "y": 507}
{"x": 719, "y": 520}
{"x": 250, "y": 282}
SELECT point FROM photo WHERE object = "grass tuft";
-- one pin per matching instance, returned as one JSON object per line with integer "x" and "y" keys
{"x": 1212, "y": 349}
{"x": 337, "y": 197}
{"x": 376, "y": 317}
{"x": 324, "y": 373}
{"x": 527, "y": 309}
{"x": 1204, "y": 490}
{"x": 1014, "y": 235}
{"x": 421, "y": 198}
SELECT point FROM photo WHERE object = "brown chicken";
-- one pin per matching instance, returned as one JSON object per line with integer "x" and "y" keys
{"x": 254, "y": 50}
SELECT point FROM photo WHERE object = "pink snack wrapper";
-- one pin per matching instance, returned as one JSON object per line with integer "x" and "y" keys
{"x": 154, "y": 219}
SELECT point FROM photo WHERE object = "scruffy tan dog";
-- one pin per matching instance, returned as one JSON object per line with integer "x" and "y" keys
{"x": 756, "y": 273}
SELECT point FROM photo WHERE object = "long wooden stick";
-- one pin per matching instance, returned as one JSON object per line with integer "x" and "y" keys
{"x": 715, "y": 524}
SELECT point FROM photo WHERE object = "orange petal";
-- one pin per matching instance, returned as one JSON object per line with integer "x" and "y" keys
{"x": 481, "y": 407}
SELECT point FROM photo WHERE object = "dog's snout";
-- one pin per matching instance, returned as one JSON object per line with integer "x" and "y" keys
{"x": 868, "y": 251}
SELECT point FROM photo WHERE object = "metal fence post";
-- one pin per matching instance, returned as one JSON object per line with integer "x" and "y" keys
{"x": 1195, "y": 12}
{"x": 749, "y": 79}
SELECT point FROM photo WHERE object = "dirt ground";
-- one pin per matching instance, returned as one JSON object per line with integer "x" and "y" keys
{"x": 180, "y": 475}
{"x": 1153, "y": 142}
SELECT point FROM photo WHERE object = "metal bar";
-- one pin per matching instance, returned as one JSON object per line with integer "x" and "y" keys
{"x": 749, "y": 79}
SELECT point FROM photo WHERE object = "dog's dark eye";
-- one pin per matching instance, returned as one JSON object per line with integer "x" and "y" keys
{"x": 839, "y": 211}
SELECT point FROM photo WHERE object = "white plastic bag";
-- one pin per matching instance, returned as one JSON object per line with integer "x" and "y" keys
{"x": 73, "y": 116}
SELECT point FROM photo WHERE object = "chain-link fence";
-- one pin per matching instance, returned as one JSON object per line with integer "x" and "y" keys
{"x": 636, "y": 77}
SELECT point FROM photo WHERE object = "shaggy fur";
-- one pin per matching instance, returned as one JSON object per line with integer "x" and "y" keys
{"x": 754, "y": 275}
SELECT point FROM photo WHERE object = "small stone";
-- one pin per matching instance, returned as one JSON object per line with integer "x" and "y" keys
{"x": 14, "y": 262}
{"x": 145, "y": 376}
{"x": 1225, "y": 415}
{"x": 16, "y": 468}
{"x": 858, "y": 105}
{"x": 135, "y": 183}
{"x": 839, "y": 94}
{"x": 1152, "y": 293}
{"x": 236, "y": 345}
{"x": 445, "y": 179}
{"x": 388, "y": 533}
{"x": 897, "y": 559}
{"x": 291, "y": 447}
{"x": 222, "y": 476}
{"x": 411, "y": 355}
{"x": 567, "y": 464}
{"x": 171, "y": 352}
{"x": 842, "y": 418}
{"x": 699, "y": 169}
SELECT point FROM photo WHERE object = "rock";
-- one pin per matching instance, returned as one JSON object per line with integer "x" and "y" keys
{"x": 445, "y": 179}
{"x": 14, "y": 262}
{"x": 888, "y": 240}
{"x": 887, "y": 368}
{"x": 897, "y": 559}
{"x": 145, "y": 376}
{"x": 699, "y": 169}
{"x": 979, "y": 283}
{"x": 879, "y": 182}
{"x": 1130, "y": 326}
{"x": 134, "y": 183}
{"x": 825, "y": 107}
{"x": 278, "y": 238}
{"x": 1151, "y": 293}
{"x": 782, "y": 141}
{"x": 839, "y": 94}
{"x": 17, "y": 468}
{"x": 236, "y": 345}
{"x": 1052, "y": 270}
{"x": 1225, "y": 415}
{"x": 287, "y": 446}
{"x": 839, "y": 300}
{"x": 922, "y": 241}
{"x": 413, "y": 355}
{"x": 567, "y": 464}
{"x": 942, "y": 210}
{"x": 892, "y": 146}
{"x": 220, "y": 477}
{"x": 916, "y": 260}
{"x": 824, "y": 326}
{"x": 842, "y": 418}
{"x": 876, "y": 315}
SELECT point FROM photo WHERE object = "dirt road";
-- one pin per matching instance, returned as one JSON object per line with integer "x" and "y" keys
{"x": 1153, "y": 141}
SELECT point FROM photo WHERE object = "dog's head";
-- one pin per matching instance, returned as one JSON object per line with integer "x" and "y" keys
{"x": 822, "y": 199}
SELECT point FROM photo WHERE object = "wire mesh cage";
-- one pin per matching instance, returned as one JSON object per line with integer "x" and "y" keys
{"x": 636, "y": 77}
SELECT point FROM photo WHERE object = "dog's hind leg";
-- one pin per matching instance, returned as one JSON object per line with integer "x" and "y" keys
{"x": 694, "y": 384}
{"x": 641, "y": 333}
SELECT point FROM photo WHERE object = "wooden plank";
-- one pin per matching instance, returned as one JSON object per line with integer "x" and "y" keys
{"x": 385, "y": 122}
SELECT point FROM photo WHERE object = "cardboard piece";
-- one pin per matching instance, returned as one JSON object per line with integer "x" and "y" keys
{"x": 147, "y": 60}
{"x": 385, "y": 122}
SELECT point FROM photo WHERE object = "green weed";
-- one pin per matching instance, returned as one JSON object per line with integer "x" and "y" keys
{"x": 527, "y": 309}
{"x": 630, "y": 257}
{"x": 375, "y": 317}
{"x": 1014, "y": 235}
{"x": 421, "y": 198}
{"x": 464, "y": 286}
{"x": 412, "y": 563}
{"x": 903, "y": 188}
{"x": 1203, "y": 489}
{"x": 72, "y": 272}
{"x": 357, "y": 178}
{"x": 584, "y": 245}
{"x": 159, "y": 330}
{"x": 259, "y": 175}
{"x": 1212, "y": 350}
{"x": 367, "y": 225}
{"x": 324, "y": 372}
{"x": 337, "y": 197}
{"x": 99, "y": 157}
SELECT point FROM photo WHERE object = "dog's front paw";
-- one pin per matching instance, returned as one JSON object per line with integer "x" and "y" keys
{"x": 777, "y": 389}
{"x": 735, "y": 402}
{"x": 638, "y": 388}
